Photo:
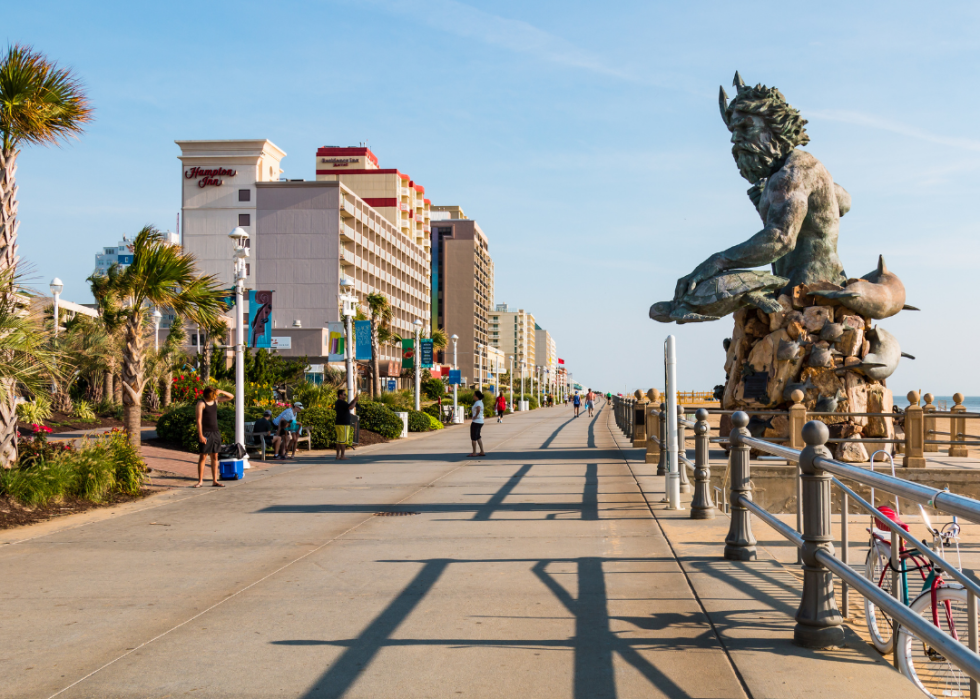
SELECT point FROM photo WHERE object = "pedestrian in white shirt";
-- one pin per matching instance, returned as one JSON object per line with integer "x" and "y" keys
{"x": 476, "y": 426}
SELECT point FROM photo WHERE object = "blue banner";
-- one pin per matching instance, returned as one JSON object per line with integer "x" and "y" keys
{"x": 426, "y": 350}
{"x": 454, "y": 377}
{"x": 362, "y": 339}
{"x": 260, "y": 319}
{"x": 392, "y": 384}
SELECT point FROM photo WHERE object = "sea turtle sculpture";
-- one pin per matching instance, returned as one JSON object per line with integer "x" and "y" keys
{"x": 720, "y": 295}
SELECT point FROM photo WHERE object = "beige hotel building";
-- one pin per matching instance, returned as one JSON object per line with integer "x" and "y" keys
{"x": 304, "y": 237}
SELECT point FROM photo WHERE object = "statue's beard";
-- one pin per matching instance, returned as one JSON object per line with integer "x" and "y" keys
{"x": 755, "y": 161}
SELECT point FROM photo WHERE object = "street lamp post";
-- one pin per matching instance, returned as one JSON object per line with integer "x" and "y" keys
{"x": 350, "y": 310}
{"x": 454, "y": 338}
{"x": 56, "y": 287}
{"x": 239, "y": 236}
{"x": 510, "y": 375}
{"x": 522, "y": 384}
{"x": 418, "y": 364}
{"x": 157, "y": 317}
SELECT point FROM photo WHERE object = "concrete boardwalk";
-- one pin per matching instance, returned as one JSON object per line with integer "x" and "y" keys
{"x": 539, "y": 571}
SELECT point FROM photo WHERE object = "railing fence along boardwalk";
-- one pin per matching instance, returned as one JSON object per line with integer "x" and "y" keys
{"x": 819, "y": 622}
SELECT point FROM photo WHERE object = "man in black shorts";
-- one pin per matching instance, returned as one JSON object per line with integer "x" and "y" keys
{"x": 476, "y": 427}
{"x": 208, "y": 433}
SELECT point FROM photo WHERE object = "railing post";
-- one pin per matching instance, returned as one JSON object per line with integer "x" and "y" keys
{"x": 662, "y": 424}
{"x": 639, "y": 420}
{"x": 629, "y": 418}
{"x": 682, "y": 451}
{"x": 914, "y": 434}
{"x": 739, "y": 544}
{"x": 818, "y": 621}
{"x": 797, "y": 418}
{"x": 653, "y": 427}
{"x": 702, "y": 506}
{"x": 929, "y": 423}
{"x": 957, "y": 427}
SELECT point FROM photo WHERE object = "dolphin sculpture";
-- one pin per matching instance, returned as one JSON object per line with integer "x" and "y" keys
{"x": 883, "y": 355}
{"x": 879, "y": 294}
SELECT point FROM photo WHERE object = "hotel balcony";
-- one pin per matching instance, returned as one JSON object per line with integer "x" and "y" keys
{"x": 404, "y": 207}
{"x": 346, "y": 208}
{"x": 346, "y": 232}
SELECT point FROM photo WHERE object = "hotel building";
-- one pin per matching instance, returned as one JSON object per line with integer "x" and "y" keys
{"x": 512, "y": 331}
{"x": 392, "y": 193}
{"x": 305, "y": 237}
{"x": 462, "y": 289}
{"x": 545, "y": 352}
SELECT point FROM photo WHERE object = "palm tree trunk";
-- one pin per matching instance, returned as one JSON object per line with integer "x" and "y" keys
{"x": 375, "y": 361}
{"x": 132, "y": 378}
{"x": 167, "y": 386}
{"x": 206, "y": 359}
{"x": 8, "y": 261}
{"x": 110, "y": 376}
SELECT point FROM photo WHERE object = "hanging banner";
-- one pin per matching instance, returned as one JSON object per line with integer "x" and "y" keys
{"x": 362, "y": 339}
{"x": 454, "y": 377}
{"x": 335, "y": 342}
{"x": 392, "y": 384}
{"x": 426, "y": 350}
{"x": 408, "y": 354}
{"x": 260, "y": 319}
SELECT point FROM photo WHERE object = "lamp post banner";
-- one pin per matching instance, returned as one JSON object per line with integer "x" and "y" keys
{"x": 260, "y": 319}
{"x": 335, "y": 342}
{"x": 408, "y": 354}
{"x": 362, "y": 339}
{"x": 426, "y": 350}
{"x": 454, "y": 377}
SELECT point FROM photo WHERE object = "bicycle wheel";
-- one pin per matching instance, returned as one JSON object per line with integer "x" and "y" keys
{"x": 925, "y": 666}
{"x": 876, "y": 570}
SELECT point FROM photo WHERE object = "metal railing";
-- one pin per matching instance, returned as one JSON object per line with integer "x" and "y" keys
{"x": 819, "y": 622}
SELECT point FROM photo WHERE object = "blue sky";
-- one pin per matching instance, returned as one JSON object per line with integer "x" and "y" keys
{"x": 584, "y": 138}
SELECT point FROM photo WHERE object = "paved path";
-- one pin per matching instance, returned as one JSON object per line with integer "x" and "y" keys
{"x": 539, "y": 571}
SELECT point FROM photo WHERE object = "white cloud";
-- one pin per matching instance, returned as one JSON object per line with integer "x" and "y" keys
{"x": 897, "y": 127}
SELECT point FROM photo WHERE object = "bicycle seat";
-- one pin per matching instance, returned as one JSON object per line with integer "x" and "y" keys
{"x": 890, "y": 514}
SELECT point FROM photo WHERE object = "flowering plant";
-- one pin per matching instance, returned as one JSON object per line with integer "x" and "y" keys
{"x": 187, "y": 387}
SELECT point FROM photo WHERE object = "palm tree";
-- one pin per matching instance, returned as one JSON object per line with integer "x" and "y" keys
{"x": 172, "y": 356}
{"x": 381, "y": 315}
{"x": 40, "y": 104}
{"x": 161, "y": 275}
{"x": 112, "y": 318}
{"x": 213, "y": 333}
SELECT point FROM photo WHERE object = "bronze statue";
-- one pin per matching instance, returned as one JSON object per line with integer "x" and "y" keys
{"x": 797, "y": 199}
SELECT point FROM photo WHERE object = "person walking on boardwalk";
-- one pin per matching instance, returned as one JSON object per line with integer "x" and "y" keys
{"x": 590, "y": 401}
{"x": 476, "y": 427}
{"x": 208, "y": 433}
{"x": 345, "y": 430}
{"x": 501, "y": 407}
{"x": 577, "y": 402}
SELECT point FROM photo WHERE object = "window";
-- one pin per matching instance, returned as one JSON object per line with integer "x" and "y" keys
{"x": 244, "y": 220}
{"x": 244, "y": 195}
{"x": 248, "y": 269}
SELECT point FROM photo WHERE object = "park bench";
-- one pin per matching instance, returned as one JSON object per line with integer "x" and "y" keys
{"x": 256, "y": 441}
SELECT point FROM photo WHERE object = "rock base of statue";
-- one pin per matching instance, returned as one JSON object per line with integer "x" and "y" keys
{"x": 816, "y": 348}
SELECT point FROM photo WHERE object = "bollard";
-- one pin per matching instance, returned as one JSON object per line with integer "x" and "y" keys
{"x": 739, "y": 544}
{"x": 929, "y": 423}
{"x": 957, "y": 427}
{"x": 682, "y": 450}
{"x": 914, "y": 434}
{"x": 702, "y": 506}
{"x": 653, "y": 427}
{"x": 662, "y": 463}
{"x": 818, "y": 621}
{"x": 639, "y": 420}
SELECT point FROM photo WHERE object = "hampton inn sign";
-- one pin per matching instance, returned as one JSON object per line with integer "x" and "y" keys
{"x": 209, "y": 177}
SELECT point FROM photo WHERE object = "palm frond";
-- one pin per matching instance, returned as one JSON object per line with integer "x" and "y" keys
{"x": 40, "y": 102}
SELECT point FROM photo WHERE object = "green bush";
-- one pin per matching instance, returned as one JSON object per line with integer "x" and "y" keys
{"x": 418, "y": 421}
{"x": 83, "y": 410}
{"x": 93, "y": 470}
{"x": 179, "y": 424}
{"x": 313, "y": 396}
{"x": 432, "y": 410}
{"x": 433, "y": 422}
{"x": 398, "y": 401}
{"x": 379, "y": 419}
{"x": 321, "y": 422}
{"x": 34, "y": 412}
{"x": 433, "y": 388}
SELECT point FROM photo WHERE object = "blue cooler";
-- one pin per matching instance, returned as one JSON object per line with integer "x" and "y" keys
{"x": 231, "y": 470}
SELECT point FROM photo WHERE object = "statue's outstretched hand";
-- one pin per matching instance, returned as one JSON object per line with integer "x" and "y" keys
{"x": 706, "y": 269}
